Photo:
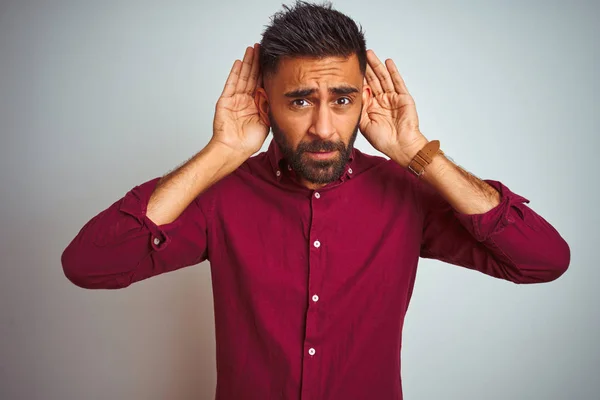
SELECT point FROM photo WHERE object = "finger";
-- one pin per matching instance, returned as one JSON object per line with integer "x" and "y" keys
{"x": 373, "y": 81}
{"x": 232, "y": 79}
{"x": 245, "y": 72}
{"x": 381, "y": 71}
{"x": 399, "y": 84}
{"x": 254, "y": 71}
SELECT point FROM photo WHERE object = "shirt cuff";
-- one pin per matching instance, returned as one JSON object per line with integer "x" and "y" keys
{"x": 482, "y": 226}
{"x": 135, "y": 203}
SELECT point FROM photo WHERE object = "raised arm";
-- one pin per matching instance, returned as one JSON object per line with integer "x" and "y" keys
{"x": 467, "y": 221}
{"x": 161, "y": 225}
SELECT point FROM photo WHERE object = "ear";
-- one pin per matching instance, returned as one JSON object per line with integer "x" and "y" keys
{"x": 367, "y": 97}
{"x": 262, "y": 104}
{"x": 367, "y": 94}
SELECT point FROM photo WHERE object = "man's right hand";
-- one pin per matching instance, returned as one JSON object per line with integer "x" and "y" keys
{"x": 237, "y": 123}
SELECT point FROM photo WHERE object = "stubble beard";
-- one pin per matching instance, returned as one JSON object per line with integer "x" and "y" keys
{"x": 315, "y": 171}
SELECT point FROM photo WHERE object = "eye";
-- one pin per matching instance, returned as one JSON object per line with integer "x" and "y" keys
{"x": 343, "y": 101}
{"x": 299, "y": 103}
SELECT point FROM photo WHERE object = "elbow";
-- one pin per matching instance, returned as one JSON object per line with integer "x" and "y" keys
{"x": 562, "y": 260}
{"x": 80, "y": 272}
{"x": 553, "y": 273}
{"x": 554, "y": 266}
{"x": 74, "y": 269}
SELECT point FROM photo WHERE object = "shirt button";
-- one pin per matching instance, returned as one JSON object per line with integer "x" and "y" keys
{"x": 315, "y": 298}
{"x": 317, "y": 244}
{"x": 156, "y": 241}
{"x": 311, "y": 351}
{"x": 278, "y": 173}
{"x": 349, "y": 170}
{"x": 317, "y": 195}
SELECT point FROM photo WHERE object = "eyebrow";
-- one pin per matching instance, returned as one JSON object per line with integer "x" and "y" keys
{"x": 338, "y": 90}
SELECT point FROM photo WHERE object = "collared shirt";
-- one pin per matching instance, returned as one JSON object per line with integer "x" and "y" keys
{"x": 311, "y": 287}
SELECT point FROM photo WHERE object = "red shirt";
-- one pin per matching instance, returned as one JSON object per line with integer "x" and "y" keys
{"x": 311, "y": 286}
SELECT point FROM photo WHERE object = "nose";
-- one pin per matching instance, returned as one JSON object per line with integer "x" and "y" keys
{"x": 323, "y": 123}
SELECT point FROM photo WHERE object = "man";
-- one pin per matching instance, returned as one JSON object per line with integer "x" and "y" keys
{"x": 313, "y": 245}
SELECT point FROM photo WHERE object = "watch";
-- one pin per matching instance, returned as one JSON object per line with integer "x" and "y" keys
{"x": 424, "y": 157}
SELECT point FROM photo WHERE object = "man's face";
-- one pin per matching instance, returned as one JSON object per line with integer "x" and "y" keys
{"x": 314, "y": 108}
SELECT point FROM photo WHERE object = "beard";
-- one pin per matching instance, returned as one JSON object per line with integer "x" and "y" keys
{"x": 315, "y": 171}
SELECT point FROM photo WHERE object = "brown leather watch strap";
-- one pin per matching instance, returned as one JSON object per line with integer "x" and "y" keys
{"x": 424, "y": 157}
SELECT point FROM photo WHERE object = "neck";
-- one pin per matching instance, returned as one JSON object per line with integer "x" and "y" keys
{"x": 311, "y": 185}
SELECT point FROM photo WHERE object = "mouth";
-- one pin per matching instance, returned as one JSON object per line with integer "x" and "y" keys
{"x": 321, "y": 155}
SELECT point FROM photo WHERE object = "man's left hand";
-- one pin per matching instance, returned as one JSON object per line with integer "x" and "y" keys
{"x": 389, "y": 121}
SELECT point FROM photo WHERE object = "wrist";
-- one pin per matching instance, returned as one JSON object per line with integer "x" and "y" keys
{"x": 427, "y": 160}
{"x": 405, "y": 154}
{"x": 227, "y": 153}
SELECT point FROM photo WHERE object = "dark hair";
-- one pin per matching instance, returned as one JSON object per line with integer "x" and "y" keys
{"x": 310, "y": 30}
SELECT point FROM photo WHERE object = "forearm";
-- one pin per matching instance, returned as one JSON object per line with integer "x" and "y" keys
{"x": 466, "y": 193}
{"x": 121, "y": 245}
{"x": 176, "y": 190}
{"x": 485, "y": 226}
{"x": 111, "y": 246}
{"x": 131, "y": 240}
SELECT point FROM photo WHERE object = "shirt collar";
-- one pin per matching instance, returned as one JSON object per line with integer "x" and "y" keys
{"x": 280, "y": 165}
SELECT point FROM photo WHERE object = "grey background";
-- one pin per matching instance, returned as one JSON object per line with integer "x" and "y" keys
{"x": 98, "y": 96}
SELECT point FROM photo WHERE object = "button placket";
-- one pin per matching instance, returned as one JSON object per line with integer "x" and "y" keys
{"x": 315, "y": 272}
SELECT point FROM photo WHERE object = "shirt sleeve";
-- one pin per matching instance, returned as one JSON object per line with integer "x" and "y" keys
{"x": 510, "y": 241}
{"x": 121, "y": 245}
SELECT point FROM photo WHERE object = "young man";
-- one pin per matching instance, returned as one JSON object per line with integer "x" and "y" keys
{"x": 313, "y": 245}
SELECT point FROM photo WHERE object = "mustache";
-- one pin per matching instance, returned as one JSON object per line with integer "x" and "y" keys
{"x": 316, "y": 146}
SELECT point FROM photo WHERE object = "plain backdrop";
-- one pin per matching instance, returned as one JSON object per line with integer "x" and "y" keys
{"x": 99, "y": 96}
